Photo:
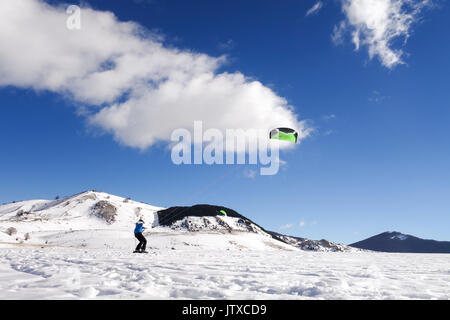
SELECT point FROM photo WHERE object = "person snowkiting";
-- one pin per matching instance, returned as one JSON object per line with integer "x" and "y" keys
{"x": 138, "y": 234}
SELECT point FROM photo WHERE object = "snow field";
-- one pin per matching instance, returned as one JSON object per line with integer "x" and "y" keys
{"x": 71, "y": 273}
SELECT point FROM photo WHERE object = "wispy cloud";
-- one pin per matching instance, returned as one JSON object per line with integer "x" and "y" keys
{"x": 315, "y": 8}
{"x": 285, "y": 227}
{"x": 375, "y": 24}
{"x": 328, "y": 117}
{"x": 377, "y": 97}
{"x": 250, "y": 173}
{"x": 304, "y": 223}
{"x": 227, "y": 45}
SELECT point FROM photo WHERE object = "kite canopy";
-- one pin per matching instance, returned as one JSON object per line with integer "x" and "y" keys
{"x": 286, "y": 134}
{"x": 223, "y": 212}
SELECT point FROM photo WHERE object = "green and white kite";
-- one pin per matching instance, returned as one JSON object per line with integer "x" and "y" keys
{"x": 285, "y": 134}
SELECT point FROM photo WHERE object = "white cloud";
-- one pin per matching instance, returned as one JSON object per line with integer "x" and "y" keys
{"x": 227, "y": 45}
{"x": 303, "y": 223}
{"x": 328, "y": 117}
{"x": 249, "y": 173}
{"x": 126, "y": 80}
{"x": 286, "y": 226}
{"x": 375, "y": 24}
{"x": 338, "y": 33}
{"x": 315, "y": 8}
{"x": 378, "y": 97}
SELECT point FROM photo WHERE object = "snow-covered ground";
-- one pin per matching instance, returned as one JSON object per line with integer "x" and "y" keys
{"x": 80, "y": 247}
{"x": 75, "y": 273}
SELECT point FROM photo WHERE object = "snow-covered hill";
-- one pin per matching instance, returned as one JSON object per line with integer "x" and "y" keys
{"x": 95, "y": 219}
{"x": 208, "y": 217}
{"x": 89, "y": 210}
{"x": 99, "y": 220}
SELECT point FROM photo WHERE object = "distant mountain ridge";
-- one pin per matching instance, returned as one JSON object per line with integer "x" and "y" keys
{"x": 394, "y": 241}
{"x": 312, "y": 245}
{"x": 203, "y": 216}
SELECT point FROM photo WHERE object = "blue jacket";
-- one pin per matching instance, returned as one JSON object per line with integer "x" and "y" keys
{"x": 139, "y": 227}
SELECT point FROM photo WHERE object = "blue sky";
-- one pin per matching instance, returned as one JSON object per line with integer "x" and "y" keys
{"x": 377, "y": 159}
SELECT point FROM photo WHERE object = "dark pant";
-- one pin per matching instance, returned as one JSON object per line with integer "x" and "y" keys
{"x": 142, "y": 241}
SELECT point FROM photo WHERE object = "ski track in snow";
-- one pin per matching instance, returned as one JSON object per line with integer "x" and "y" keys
{"x": 72, "y": 273}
